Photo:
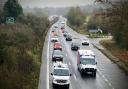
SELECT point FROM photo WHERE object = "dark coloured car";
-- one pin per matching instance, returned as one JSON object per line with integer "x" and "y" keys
{"x": 57, "y": 55}
{"x": 68, "y": 38}
{"x": 74, "y": 46}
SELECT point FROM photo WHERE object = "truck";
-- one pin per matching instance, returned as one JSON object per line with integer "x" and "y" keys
{"x": 60, "y": 76}
{"x": 86, "y": 62}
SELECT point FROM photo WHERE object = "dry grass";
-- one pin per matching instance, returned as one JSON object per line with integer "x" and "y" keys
{"x": 118, "y": 52}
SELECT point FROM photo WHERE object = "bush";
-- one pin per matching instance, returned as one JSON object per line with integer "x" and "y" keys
{"x": 20, "y": 52}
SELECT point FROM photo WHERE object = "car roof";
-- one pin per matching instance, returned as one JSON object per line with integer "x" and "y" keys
{"x": 86, "y": 52}
{"x": 89, "y": 57}
{"x": 57, "y": 43}
{"x": 60, "y": 65}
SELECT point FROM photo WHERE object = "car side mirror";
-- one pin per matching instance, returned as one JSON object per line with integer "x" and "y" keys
{"x": 51, "y": 73}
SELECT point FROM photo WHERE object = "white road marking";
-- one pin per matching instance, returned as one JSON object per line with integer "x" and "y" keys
{"x": 47, "y": 77}
{"x": 109, "y": 84}
{"x": 105, "y": 79}
{"x": 75, "y": 77}
{"x": 70, "y": 86}
{"x": 69, "y": 63}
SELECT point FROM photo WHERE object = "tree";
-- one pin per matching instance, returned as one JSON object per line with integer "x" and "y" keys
{"x": 12, "y": 9}
{"x": 117, "y": 22}
{"x": 76, "y": 17}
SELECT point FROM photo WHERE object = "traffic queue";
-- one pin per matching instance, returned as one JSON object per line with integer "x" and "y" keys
{"x": 86, "y": 61}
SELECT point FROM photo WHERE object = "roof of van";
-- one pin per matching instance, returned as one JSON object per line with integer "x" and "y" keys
{"x": 86, "y": 52}
{"x": 60, "y": 65}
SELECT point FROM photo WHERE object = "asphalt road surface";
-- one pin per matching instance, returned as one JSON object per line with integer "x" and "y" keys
{"x": 109, "y": 75}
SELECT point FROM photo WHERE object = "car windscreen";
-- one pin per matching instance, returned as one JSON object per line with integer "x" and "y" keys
{"x": 86, "y": 61}
{"x": 61, "y": 72}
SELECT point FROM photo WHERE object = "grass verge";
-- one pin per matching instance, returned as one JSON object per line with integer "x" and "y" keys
{"x": 119, "y": 53}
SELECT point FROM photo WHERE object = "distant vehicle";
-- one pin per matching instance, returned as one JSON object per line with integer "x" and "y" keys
{"x": 57, "y": 55}
{"x": 55, "y": 26}
{"x": 63, "y": 30}
{"x": 65, "y": 33}
{"x": 63, "y": 24}
{"x": 86, "y": 62}
{"x": 68, "y": 38}
{"x": 61, "y": 76}
{"x": 53, "y": 30}
{"x": 57, "y": 46}
{"x": 54, "y": 34}
{"x": 85, "y": 42}
{"x": 74, "y": 46}
{"x": 54, "y": 39}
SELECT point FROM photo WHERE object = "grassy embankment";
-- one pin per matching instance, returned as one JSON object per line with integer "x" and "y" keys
{"x": 20, "y": 52}
{"x": 121, "y": 54}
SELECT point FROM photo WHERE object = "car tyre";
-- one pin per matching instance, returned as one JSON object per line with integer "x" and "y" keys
{"x": 94, "y": 74}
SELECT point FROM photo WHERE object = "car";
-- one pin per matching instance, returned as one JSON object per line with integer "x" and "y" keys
{"x": 54, "y": 39}
{"x": 60, "y": 76}
{"x": 54, "y": 34}
{"x": 55, "y": 26}
{"x": 57, "y": 46}
{"x": 62, "y": 30}
{"x": 75, "y": 46}
{"x": 68, "y": 38}
{"x": 85, "y": 42}
{"x": 86, "y": 62}
{"x": 53, "y": 30}
{"x": 65, "y": 33}
{"x": 57, "y": 55}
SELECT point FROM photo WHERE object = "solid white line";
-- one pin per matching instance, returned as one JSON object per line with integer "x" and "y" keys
{"x": 47, "y": 78}
{"x": 75, "y": 77}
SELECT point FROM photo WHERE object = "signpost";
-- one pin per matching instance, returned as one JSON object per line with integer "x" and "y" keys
{"x": 10, "y": 20}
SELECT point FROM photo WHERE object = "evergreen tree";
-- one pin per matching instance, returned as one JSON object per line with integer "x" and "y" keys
{"x": 12, "y": 9}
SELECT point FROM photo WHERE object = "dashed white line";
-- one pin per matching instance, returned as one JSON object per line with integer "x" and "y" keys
{"x": 75, "y": 77}
{"x": 69, "y": 63}
{"x": 105, "y": 79}
{"x": 109, "y": 84}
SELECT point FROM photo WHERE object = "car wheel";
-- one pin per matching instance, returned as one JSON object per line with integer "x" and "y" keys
{"x": 94, "y": 74}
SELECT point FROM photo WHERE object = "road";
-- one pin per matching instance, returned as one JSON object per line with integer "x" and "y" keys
{"x": 109, "y": 76}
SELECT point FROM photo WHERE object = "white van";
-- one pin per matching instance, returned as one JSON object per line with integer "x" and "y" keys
{"x": 86, "y": 62}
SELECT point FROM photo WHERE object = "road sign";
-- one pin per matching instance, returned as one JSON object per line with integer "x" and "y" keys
{"x": 10, "y": 20}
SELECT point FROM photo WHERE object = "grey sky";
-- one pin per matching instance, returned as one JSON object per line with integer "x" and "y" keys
{"x": 54, "y": 3}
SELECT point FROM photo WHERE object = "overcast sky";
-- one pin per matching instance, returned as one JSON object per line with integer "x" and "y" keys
{"x": 54, "y": 3}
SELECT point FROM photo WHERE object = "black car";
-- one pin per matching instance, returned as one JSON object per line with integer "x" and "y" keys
{"x": 57, "y": 55}
{"x": 74, "y": 46}
{"x": 68, "y": 38}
